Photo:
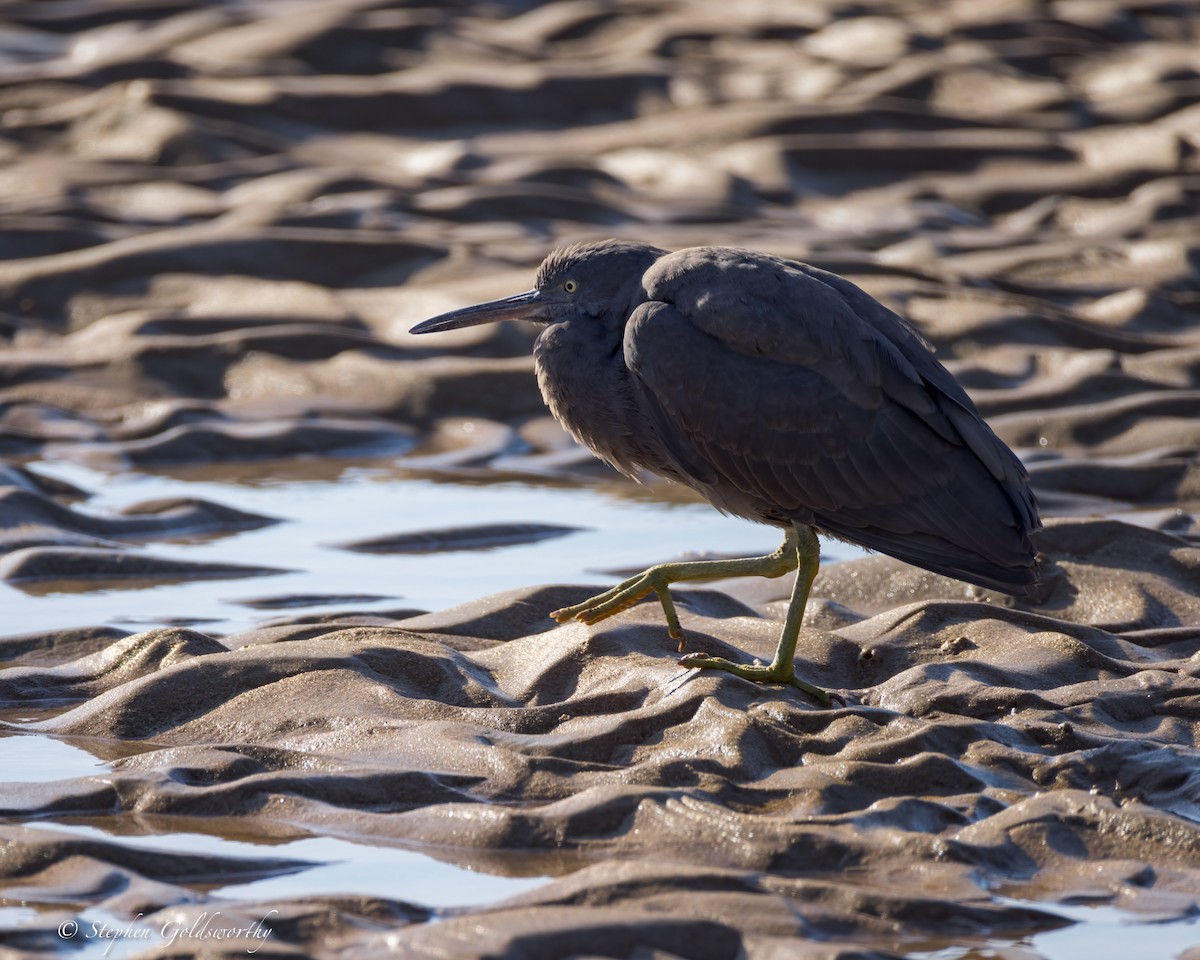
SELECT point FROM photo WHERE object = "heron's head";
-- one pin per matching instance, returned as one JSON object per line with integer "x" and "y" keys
{"x": 597, "y": 280}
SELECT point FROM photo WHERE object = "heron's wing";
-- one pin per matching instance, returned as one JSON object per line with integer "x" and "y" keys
{"x": 773, "y": 387}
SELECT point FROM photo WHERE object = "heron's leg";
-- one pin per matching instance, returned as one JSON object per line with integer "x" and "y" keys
{"x": 783, "y": 668}
{"x": 657, "y": 579}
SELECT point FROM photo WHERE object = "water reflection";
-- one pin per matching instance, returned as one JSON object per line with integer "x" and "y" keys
{"x": 326, "y": 502}
{"x": 326, "y": 865}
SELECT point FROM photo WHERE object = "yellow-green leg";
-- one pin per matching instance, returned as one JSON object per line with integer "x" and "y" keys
{"x": 658, "y": 578}
{"x": 799, "y": 551}
{"x": 783, "y": 668}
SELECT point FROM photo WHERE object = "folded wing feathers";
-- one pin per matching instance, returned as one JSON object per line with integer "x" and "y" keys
{"x": 808, "y": 395}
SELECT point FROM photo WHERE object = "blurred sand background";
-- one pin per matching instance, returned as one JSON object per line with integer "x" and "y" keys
{"x": 218, "y": 221}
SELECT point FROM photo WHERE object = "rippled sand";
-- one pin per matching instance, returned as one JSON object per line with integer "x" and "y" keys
{"x": 217, "y": 225}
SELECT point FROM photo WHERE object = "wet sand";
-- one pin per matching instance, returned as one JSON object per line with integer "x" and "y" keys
{"x": 218, "y": 224}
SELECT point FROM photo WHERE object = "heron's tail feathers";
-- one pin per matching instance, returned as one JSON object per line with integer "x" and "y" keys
{"x": 1012, "y": 567}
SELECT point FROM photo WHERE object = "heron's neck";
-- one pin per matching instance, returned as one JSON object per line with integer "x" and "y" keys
{"x": 583, "y": 378}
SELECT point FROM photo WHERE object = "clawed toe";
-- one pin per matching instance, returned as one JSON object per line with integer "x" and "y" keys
{"x": 566, "y": 614}
{"x": 757, "y": 673}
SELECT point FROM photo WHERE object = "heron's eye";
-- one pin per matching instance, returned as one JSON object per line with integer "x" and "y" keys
{"x": 570, "y": 286}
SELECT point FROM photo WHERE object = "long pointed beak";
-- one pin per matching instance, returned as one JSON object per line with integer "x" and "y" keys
{"x": 524, "y": 306}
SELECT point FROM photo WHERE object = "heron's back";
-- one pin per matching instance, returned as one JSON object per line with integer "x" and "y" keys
{"x": 786, "y": 394}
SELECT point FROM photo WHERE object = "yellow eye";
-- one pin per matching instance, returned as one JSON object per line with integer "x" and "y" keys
{"x": 570, "y": 286}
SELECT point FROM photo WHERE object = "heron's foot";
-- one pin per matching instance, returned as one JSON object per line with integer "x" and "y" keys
{"x": 623, "y": 596}
{"x": 759, "y": 673}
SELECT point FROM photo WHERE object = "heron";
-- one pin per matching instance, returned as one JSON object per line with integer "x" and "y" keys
{"x": 783, "y": 394}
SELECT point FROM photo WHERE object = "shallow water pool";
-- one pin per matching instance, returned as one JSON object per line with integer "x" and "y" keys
{"x": 33, "y": 758}
{"x": 330, "y": 865}
{"x": 369, "y": 500}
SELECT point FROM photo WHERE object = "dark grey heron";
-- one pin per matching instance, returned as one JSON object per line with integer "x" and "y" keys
{"x": 783, "y": 394}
